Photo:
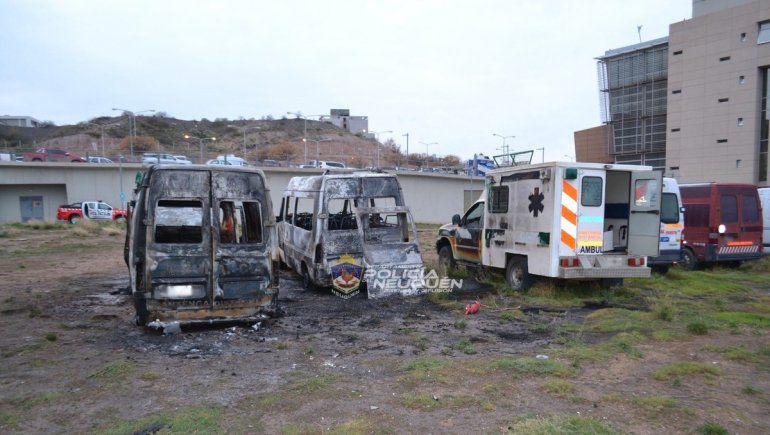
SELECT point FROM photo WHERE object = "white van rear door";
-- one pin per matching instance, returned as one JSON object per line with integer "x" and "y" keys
{"x": 644, "y": 219}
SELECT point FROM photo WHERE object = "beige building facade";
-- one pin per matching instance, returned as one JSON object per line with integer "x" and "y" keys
{"x": 717, "y": 93}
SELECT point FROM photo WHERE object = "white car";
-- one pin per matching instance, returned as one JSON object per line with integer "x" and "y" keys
{"x": 164, "y": 159}
{"x": 233, "y": 160}
{"x": 326, "y": 164}
{"x": 97, "y": 159}
{"x": 221, "y": 162}
{"x": 183, "y": 160}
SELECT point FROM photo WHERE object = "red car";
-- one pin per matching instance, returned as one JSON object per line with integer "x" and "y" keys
{"x": 53, "y": 155}
{"x": 96, "y": 210}
{"x": 722, "y": 223}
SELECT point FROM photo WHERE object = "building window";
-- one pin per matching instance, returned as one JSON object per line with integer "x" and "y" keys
{"x": 677, "y": 53}
{"x": 764, "y": 33}
{"x": 724, "y": 59}
{"x": 740, "y": 122}
{"x": 721, "y": 140}
{"x": 674, "y": 130}
{"x": 723, "y": 100}
{"x": 743, "y": 37}
{"x": 676, "y": 91}
{"x": 763, "y": 131}
{"x": 742, "y": 80}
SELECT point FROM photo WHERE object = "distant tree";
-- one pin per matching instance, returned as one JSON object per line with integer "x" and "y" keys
{"x": 161, "y": 115}
{"x": 450, "y": 160}
{"x": 48, "y": 124}
{"x": 141, "y": 143}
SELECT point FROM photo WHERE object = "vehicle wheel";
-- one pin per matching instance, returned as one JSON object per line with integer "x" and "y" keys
{"x": 74, "y": 219}
{"x": 517, "y": 275}
{"x": 37, "y": 160}
{"x": 307, "y": 281}
{"x": 689, "y": 261}
{"x": 120, "y": 219}
{"x": 662, "y": 270}
{"x": 446, "y": 261}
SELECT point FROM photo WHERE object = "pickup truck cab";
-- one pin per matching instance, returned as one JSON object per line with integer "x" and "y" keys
{"x": 562, "y": 220}
{"x": 96, "y": 210}
{"x": 53, "y": 155}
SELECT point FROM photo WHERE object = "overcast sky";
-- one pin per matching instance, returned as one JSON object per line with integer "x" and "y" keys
{"x": 451, "y": 72}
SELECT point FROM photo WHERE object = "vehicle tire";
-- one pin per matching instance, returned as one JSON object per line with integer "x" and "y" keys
{"x": 307, "y": 281}
{"x": 689, "y": 260}
{"x": 120, "y": 219}
{"x": 661, "y": 270}
{"x": 73, "y": 219}
{"x": 446, "y": 261}
{"x": 37, "y": 160}
{"x": 517, "y": 275}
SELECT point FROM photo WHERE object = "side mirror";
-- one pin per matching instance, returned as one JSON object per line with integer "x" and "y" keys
{"x": 456, "y": 219}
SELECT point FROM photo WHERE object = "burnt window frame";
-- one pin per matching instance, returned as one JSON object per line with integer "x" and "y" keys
{"x": 495, "y": 199}
{"x": 242, "y": 212}
{"x": 158, "y": 204}
{"x": 312, "y": 212}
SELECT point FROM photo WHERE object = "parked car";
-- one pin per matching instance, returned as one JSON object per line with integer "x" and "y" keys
{"x": 764, "y": 198}
{"x": 163, "y": 159}
{"x": 233, "y": 160}
{"x": 10, "y": 157}
{"x": 53, "y": 155}
{"x": 722, "y": 223}
{"x": 333, "y": 227}
{"x": 326, "y": 164}
{"x": 97, "y": 159}
{"x": 671, "y": 227}
{"x": 560, "y": 220}
{"x": 201, "y": 245}
{"x": 96, "y": 210}
{"x": 218, "y": 162}
{"x": 183, "y": 160}
{"x": 269, "y": 163}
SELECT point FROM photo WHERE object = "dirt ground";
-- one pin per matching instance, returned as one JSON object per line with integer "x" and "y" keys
{"x": 72, "y": 361}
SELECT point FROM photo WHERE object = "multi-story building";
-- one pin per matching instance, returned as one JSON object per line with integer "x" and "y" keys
{"x": 693, "y": 104}
{"x": 718, "y": 92}
{"x": 342, "y": 119}
{"x": 19, "y": 121}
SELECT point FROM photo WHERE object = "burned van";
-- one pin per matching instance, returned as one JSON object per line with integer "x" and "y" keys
{"x": 335, "y": 227}
{"x": 201, "y": 245}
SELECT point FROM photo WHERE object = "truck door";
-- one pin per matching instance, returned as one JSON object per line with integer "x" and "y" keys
{"x": 644, "y": 216}
{"x": 241, "y": 257}
{"x": 590, "y": 216}
{"x": 469, "y": 234}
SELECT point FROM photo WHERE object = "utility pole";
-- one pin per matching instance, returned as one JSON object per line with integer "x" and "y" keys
{"x": 542, "y": 154}
{"x": 407, "y": 148}
{"x": 132, "y": 125}
{"x": 377, "y": 140}
{"x": 426, "y": 151}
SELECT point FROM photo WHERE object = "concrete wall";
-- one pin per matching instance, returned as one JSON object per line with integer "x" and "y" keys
{"x": 434, "y": 198}
{"x": 704, "y": 140}
{"x": 10, "y": 209}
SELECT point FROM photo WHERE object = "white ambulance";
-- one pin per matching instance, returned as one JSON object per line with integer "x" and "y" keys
{"x": 560, "y": 220}
{"x": 671, "y": 227}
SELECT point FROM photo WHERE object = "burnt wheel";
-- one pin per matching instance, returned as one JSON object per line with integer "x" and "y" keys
{"x": 689, "y": 261}
{"x": 517, "y": 275}
{"x": 446, "y": 261}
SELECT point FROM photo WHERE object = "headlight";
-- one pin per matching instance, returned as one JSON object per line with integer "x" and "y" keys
{"x": 187, "y": 291}
{"x": 721, "y": 228}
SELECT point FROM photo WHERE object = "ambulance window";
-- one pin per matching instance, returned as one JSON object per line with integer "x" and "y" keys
{"x": 750, "y": 210}
{"x": 646, "y": 193}
{"x": 498, "y": 199}
{"x": 728, "y": 205}
{"x": 669, "y": 209}
{"x": 591, "y": 192}
{"x": 178, "y": 221}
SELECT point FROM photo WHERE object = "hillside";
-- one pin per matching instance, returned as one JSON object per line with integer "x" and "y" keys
{"x": 279, "y": 139}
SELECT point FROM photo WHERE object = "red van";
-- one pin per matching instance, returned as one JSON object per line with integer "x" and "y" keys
{"x": 722, "y": 223}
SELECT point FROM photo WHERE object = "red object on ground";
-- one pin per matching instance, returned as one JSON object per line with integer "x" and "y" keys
{"x": 472, "y": 308}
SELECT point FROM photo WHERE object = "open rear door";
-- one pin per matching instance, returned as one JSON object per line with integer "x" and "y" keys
{"x": 644, "y": 219}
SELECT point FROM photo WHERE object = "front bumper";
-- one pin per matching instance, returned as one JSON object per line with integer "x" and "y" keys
{"x": 667, "y": 256}
{"x": 604, "y": 272}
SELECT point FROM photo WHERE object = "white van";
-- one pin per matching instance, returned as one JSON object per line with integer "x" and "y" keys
{"x": 671, "y": 227}
{"x": 764, "y": 198}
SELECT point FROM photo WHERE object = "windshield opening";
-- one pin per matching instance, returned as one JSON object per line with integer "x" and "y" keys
{"x": 392, "y": 227}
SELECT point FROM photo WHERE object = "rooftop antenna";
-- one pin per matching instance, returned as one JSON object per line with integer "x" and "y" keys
{"x": 639, "y": 31}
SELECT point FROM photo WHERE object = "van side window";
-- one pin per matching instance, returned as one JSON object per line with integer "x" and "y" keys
{"x": 591, "y": 192}
{"x": 384, "y": 201}
{"x": 750, "y": 210}
{"x": 696, "y": 215}
{"x": 239, "y": 222}
{"x": 178, "y": 221}
{"x": 303, "y": 217}
{"x": 498, "y": 199}
{"x": 728, "y": 205}
{"x": 289, "y": 209}
{"x": 341, "y": 215}
{"x": 669, "y": 209}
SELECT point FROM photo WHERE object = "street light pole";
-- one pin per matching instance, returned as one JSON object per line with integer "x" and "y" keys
{"x": 542, "y": 154}
{"x": 377, "y": 140}
{"x": 426, "y": 150}
{"x": 317, "y": 152}
{"x": 200, "y": 144}
{"x": 407, "y": 148}
{"x": 132, "y": 126}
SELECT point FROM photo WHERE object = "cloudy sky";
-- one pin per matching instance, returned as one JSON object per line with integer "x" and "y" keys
{"x": 452, "y": 72}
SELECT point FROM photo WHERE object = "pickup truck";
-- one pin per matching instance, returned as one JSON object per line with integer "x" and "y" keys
{"x": 96, "y": 210}
{"x": 53, "y": 155}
